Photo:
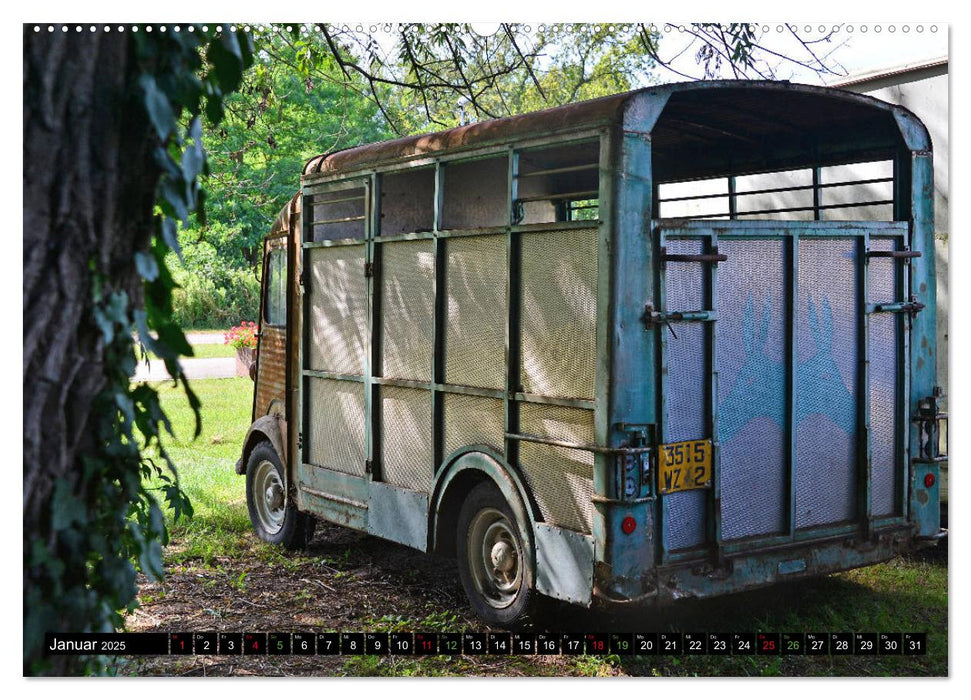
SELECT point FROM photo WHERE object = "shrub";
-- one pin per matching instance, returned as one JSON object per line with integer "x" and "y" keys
{"x": 210, "y": 293}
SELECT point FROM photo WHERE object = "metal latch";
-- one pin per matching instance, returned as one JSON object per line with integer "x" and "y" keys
{"x": 714, "y": 257}
{"x": 928, "y": 417}
{"x": 895, "y": 254}
{"x": 653, "y": 318}
{"x": 912, "y": 307}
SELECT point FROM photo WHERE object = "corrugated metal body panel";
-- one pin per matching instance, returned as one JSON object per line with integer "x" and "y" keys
{"x": 560, "y": 478}
{"x": 686, "y": 389}
{"x": 406, "y": 437}
{"x": 271, "y": 382}
{"x": 559, "y": 313}
{"x": 884, "y": 389}
{"x": 338, "y": 310}
{"x": 752, "y": 417}
{"x": 826, "y": 397}
{"x": 335, "y": 425}
{"x": 475, "y": 334}
{"x": 407, "y": 306}
{"x": 473, "y": 420}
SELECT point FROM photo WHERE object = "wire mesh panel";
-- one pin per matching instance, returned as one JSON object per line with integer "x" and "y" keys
{"x": 750, "y": 344}
{"x": 686, "y": 387}
{"x": 475, "y": 334}
{"x": 826, "y": 396}
{"x": 335, "y": 425}
{"x": 473, "y": 420}
{"x": 560, "y": 478}
{"x": 338, "y": 310}
{"x": 406, "y": 435}
{"x": 884, "y": 384}
{"x": 559, "y": 313}
{"x": 407, "y": 306}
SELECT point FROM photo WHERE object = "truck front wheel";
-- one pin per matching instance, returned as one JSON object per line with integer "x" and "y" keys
{"x": 273, "y": 513}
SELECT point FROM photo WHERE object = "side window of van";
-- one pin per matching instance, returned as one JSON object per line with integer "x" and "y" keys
{"x": 275, "y": 304}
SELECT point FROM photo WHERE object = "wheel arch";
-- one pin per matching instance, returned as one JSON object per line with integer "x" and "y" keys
{"x": 462, "y": 472}
{"x": 269, "y": 428}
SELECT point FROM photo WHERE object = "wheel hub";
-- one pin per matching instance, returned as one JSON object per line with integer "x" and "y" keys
{"x": 494, "y": 558}
{"x": 274, "y": 496}
{"x": 271, "y": 508}
{"x": 502, "y": 559}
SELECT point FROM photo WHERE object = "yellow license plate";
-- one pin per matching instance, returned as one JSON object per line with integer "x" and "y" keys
{"x": 683, "y": 466}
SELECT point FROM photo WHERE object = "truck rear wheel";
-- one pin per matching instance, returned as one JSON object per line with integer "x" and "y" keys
{"x": 272, "y": 512}
{"x": 495, "y": 565}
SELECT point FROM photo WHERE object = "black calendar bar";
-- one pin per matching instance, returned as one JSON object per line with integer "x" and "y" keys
{"x": 122, "y": 644}
{"x": 489, "y": 643}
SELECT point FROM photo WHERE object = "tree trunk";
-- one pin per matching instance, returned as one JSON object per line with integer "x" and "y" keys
{"x": 89, "y": 188}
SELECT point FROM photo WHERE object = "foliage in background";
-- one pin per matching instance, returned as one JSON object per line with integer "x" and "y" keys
{"x": 214, "y": 290}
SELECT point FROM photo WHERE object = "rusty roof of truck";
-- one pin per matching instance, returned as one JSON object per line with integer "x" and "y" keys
{"x": 758, "y": 106}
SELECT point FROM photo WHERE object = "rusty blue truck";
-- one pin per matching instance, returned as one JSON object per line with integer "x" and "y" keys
{"x": 672, "y": 343}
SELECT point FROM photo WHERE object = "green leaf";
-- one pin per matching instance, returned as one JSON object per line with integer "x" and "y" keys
{"x": 66, "y": 508}
{"x": 173, "y": 199}
{"x": 170, "y": 236}
{"x": 146, "y": 266}
{"x": 158, "y": 107}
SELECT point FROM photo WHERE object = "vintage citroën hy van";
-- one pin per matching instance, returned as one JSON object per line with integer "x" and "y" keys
{"x": 676, "y": 342}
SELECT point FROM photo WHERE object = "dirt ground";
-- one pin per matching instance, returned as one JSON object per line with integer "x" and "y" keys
{"x": 348, "y": 581}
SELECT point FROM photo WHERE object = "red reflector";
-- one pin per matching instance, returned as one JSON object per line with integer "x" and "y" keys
{"x": 628, "y": 525}
{"x": 929, "y": 480}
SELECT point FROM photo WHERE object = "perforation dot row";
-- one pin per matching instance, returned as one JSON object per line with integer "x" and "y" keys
{"x": 388, "y": 28}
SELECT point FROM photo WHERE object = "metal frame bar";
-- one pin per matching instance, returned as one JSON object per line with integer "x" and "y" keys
{"x": 439, "y": 317}
{"x": 773, "y": 190}
{"x": 372, "y": 399}
{"x": 784, "y": 210}
{"x": 864, "y": 439}
{"x": 558, "y": 171}
{"x": 792, "y": 381}
{"x": 513, "y": 329}
{"x": 714, "y": 520}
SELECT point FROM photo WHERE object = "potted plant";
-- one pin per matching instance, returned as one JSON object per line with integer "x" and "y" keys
{"x": 243, "y": 338}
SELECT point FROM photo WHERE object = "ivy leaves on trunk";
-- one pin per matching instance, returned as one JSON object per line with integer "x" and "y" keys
{"x": 112, "y": 159}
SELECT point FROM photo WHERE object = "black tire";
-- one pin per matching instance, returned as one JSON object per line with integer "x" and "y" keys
{"x": 272, "y": 512}
{"x": 497, "y": 579}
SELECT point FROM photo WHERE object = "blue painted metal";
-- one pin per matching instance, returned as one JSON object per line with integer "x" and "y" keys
{"x": 924, "y": 503}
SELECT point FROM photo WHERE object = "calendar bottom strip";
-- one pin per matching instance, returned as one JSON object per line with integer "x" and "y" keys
{"x": 488, "y": 643}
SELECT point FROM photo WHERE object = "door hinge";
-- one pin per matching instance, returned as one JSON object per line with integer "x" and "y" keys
{"x": 299, "y": 441}
{"x": 369, "y": 269}
{"x": 368, "y": 466}
{"x": 300, "y": 280}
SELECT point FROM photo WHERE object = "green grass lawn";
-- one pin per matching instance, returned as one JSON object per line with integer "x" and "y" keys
{"x": 205, "y": 464}
{"x": 205, "y": 350}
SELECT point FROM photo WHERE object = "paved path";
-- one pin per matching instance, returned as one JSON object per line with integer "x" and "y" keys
{"x": 202, "y": 368}
{"x": 206, "y": 338}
